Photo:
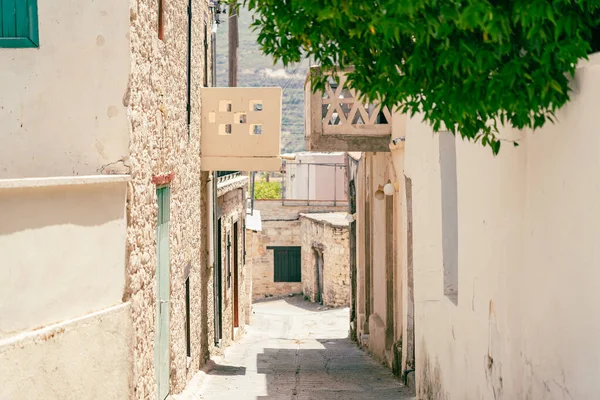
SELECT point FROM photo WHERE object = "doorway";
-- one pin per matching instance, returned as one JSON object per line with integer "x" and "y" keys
{"x": 236, "y": 317}
{"x": 162, "y": 352}
{"x": 319, "y": 275}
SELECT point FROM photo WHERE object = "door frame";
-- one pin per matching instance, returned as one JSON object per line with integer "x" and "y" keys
{"x": 162, "y": 356}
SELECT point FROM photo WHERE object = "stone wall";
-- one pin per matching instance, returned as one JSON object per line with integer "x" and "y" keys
{"x": 162, "y": 144}
{"x": 327, "y": 234}
{"x": 274, "y": 233}
{"x": 280, "y": 227}
{"x": 232, "y": 210}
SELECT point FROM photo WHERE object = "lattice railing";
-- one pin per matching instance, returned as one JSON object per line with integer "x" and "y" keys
{"x": 338, "y": 110}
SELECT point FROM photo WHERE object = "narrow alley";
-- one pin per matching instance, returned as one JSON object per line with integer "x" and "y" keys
{"x": 296, "y": 350}
{"x": 259, "y": 199}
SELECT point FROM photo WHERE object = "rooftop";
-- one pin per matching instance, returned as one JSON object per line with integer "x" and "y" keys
{"x": 336, "y": 219}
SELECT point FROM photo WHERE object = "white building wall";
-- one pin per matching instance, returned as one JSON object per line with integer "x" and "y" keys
{"x": 85, "y": 358}
{"x": 306, "y": 179}
{"x": 521, "y": 326}
{"x": 63, "y": 251}
{"x": 64, "y": 332}
{"x": 62, "y": 108}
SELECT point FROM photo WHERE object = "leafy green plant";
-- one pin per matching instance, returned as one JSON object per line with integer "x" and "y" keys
{"x": 264, "y": 190}
{"x": 468, "y": 65}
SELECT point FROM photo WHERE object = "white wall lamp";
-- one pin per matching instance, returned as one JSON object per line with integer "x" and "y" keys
{"x": 386, "y": 190}
{"x": 389, "y": 189}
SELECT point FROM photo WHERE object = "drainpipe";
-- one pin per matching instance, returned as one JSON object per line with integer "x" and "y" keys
{"x": 252, "y": 180}
{"x": 213, "y": 39}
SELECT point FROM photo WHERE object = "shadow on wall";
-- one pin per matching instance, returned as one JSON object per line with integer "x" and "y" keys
{"x": 82, "y": 205}
{"x": 337, "y": 370}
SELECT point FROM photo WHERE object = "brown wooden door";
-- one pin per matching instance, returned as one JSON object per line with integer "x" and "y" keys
{"x": 236, "y": 317}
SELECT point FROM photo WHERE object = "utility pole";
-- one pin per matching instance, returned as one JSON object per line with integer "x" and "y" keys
{"x": 233, "y": 45}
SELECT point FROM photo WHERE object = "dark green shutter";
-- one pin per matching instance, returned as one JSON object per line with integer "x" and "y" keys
{"x": 18, "y": 23}
{"x": 287, "y": 264}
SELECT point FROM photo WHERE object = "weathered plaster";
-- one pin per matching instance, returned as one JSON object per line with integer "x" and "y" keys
{"x": 63, "y": 250}
{"x": 527, "y": 259}
{"x": 86, "y": 358}
{"x": 66, "y": 96}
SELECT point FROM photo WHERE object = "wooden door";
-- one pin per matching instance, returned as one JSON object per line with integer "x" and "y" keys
{"x": 236, "y": 317}
{"x": 162, "y": 354}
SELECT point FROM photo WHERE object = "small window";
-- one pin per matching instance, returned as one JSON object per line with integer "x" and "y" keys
{"x": 225, "y": 106}
{"x": 256, "y": 105}
{"x": 256, "y": 129}
{"x": 18, "y": 24}
{"x": 224, "y": 129}
{"x": 161, "y": 20}
{"x": 239, "y": 118}
{"x": 287, "y": 264}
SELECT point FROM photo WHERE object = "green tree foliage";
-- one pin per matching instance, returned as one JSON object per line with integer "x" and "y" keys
{"x": 264, "y": 190}
{"x": 468, "y": 65}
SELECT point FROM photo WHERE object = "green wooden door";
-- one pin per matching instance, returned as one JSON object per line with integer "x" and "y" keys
{"x": 162, "y": 354}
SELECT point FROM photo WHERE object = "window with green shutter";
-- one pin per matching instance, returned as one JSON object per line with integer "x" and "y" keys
{"x": 287, "y": 263}
{"x": 18, "y": 23}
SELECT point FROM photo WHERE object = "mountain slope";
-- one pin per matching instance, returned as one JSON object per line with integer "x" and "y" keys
{"x": 256, "y": 69}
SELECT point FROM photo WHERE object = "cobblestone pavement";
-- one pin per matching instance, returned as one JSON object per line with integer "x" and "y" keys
{"x": 294, "y": 350}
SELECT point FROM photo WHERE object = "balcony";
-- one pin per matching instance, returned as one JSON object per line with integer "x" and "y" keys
{"x": 241, "y": 129}
{"x": 337, "y": 121}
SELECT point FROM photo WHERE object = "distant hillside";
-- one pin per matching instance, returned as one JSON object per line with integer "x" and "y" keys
{"x": 256, "y": 69}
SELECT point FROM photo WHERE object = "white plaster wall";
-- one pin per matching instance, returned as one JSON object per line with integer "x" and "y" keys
{"x": 63, "y": 253}
{"x": 86, "y": 358}
{"x": 527, "y": 264}
{"x": 379, "y": 278}
{"x": 397, "y": 175}
{"x": 319, "y": 181}
{"x": 61, "y": 106}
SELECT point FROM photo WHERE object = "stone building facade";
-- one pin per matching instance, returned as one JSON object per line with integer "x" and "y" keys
{"x": 109, "y": 189}
{"x": 281, "y": 227}
{"x": 325, "y": 258}
{"x": 164, "y": 151}
{"x": 234, "y": 297}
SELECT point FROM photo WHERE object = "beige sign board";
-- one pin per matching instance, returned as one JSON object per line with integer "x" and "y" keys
{"x": 241, "y": 129}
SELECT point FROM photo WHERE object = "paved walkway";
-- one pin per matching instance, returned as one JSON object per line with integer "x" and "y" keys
{"x": 295, "y": 351}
